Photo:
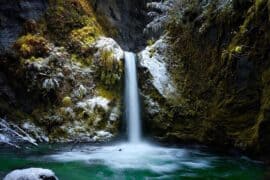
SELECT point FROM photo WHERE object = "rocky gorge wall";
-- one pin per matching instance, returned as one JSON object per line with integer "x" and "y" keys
{"x": 216, "y": 55}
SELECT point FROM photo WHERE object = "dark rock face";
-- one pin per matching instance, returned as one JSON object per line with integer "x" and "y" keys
{"x": 13, "y": 15}
{"x": 219, "y": 59}
{"x": 6, "y": 92}
{"x": 129, "y": 17}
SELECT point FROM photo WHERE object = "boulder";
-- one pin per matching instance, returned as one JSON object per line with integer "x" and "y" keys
{"x": 31, "y": 174}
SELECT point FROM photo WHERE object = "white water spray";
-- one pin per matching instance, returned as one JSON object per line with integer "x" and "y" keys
{"x": 132, "y": 107}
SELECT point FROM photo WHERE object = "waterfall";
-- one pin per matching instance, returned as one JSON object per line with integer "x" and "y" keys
{"x": 132, "y": 106}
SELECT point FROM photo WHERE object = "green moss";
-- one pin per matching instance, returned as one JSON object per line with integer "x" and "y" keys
{"x": 31, "y": 45}
{"x": 109, "y": 70}
{"x": 108, "y": 94}
{"x": 57, "y": 133}
{"x": 67, "y": 101}
{"x": 82, "y": 59}
{"x": 259, "y": 4}
{"x": 83, "y": 38}
{"x": 224, "y": 99}
{"x": 64, "y": 17}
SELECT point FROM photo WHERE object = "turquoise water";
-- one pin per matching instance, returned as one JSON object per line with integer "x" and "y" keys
{"x": 128, "y": 162}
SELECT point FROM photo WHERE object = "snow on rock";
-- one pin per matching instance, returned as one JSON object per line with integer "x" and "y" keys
{"x": 154, "y": 60}
{"x": 12, "y": 134}
{"x": 108, "y": 44}
{"x": 152, "y": 106}
{"x": 37, "y": 132}
{"x": 159, "y": 12}
{"x": 31, "y": 174}
{"x": 102, "y": 135}
{"x": 4, "y": 139}
{"x": 80, "y": 92}
{"x": 90, "y": 104}
{"x": 114, "y": 114}
{"x": 50, "y": 84}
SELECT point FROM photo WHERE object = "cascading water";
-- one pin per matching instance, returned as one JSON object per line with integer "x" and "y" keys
{"x": 132, "y": 107}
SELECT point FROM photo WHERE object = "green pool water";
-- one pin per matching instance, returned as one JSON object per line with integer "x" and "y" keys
{"x": 128, "y": 162}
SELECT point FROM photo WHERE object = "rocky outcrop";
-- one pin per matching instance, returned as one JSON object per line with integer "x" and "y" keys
{"x": 82, "y": 107}
{"x": 61, "y": 83}
{"x": 154, "y": 60}
{"x": 218, "y": 59}
{"x": 31, "y": 174}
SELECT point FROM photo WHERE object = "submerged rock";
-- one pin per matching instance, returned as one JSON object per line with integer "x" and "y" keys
{"x": 31, "y": 174}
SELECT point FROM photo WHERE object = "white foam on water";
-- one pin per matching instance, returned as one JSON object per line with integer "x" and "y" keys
{"x": 133, "y": 156}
